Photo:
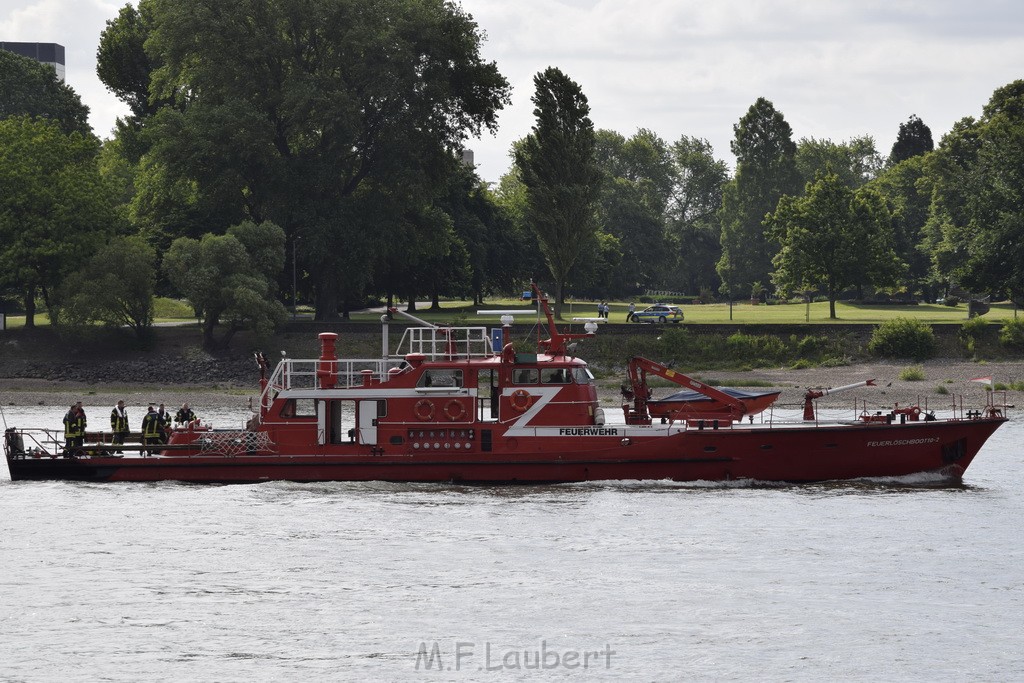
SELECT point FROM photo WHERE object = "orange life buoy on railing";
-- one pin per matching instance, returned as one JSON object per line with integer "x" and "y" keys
{"x": 454, "y": 410}
{"x": 520, "y": 399}
{"x": 424, "y": 409}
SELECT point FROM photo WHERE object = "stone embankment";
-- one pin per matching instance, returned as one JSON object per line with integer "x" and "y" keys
{"x": 158, "y": 370}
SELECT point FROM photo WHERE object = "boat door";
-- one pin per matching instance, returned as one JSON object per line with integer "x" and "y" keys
{"x": 321, "y": 422}
{"x": 369, "y": 411}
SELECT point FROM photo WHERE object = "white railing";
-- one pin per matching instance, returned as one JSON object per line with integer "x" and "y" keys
{"x": 442, "y": 343}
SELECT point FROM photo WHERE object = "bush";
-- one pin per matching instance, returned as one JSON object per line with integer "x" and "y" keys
{"x": 903, "y": 338}
{"x": 951, "y": 301}
{"x": 1011, "y": 334}
{"x": 971, "y": 333}
{"x": 941, "y": 389}
{"x": 912, "y": 374}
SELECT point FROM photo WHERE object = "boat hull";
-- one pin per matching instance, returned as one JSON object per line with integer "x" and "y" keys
{"x": 795, "y": 454}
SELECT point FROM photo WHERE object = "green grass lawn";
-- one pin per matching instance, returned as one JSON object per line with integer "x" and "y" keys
{"x": 464, "y": 313}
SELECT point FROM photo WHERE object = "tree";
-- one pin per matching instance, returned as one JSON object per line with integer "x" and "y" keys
{"x": 114, "y": 288}
{"x": 914, "y": 139}
{"x": 765, "y": 171}
{"x": 333, "y": 118}
{"x": 833, "y": 238}
{"x": 32, "y": 89}
{"x": 557, "y": 166}
{"x": 855, "y": 161}
{"x": 122, "y": 62}
{"x": 976, "y": 223}
{"x": 514, "y": 236}
{"x": 631, "y": 210}
{"x": 54, "y": 207}
{"x": 907, "y": 191}
{"x": 230, "y": 279}
{"x": 692, "y": 214}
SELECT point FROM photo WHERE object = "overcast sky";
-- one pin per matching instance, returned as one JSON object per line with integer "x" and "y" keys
{"x": 835, "y": 69}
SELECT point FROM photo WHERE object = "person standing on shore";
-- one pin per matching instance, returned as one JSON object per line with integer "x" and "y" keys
{"x": 151, "y": 428}
{"x": 119, "y": 424}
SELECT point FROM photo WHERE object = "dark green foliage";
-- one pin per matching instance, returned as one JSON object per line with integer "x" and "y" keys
{"x": 976, "y": 225}
{"x": 1011, "y": 334}
{"x": 121, "y": 60}
{"x": 114, "y": 288}
{"x": 742, "y": 350}
{"x": 230, "y": 279}
{"x": 913, "y": 139}
{"x": 54, "y": 208}
{"x": 336, "y": 119}
{"x": 557, "y": 166}
{"x": 903, "y": 338}
{"x": 28, "y": 88}
{"x": 765, "y": 171}
{"x": 855, "y": 161}
{"x": 832, "y": 238}
{"x": 692, "y": 222}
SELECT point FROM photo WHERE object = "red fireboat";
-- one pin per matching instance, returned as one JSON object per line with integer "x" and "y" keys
{"x": 453, "y": 405}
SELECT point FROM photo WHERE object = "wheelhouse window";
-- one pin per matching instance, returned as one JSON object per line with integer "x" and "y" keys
{"x": 440, "y": 378}
{"x": 582, "y": 375}
{"x": 525, "y": 376}
{"x": 555, "y": 376}
{"x": 298, "y": 407}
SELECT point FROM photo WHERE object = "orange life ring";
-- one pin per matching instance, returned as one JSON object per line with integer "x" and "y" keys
{"x": 454, "y": 410}
{"x": 424, "y": 409}
{"x": 520, "y": 399}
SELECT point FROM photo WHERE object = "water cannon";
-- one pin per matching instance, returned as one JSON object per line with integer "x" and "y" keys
{"x": 813, "y": 394}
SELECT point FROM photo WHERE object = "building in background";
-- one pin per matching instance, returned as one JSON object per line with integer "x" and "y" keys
{"x": 47, "y": 53}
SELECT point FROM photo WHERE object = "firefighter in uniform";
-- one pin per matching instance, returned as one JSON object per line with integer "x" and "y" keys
{"x": 151, "y": 428}
{"x": 74, "y": 430}
{"x": 165, "y": 423}
{"x": 184, "y": 416}
{"x": 119, "y": 424}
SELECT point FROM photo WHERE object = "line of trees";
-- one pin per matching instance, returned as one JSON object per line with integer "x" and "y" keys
{"x": 316, "y": 142}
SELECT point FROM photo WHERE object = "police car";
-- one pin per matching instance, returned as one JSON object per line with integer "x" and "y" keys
{"x": 659, "y": 313}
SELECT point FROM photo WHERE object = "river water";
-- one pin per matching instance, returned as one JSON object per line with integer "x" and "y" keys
{"x": 866, "y": 581}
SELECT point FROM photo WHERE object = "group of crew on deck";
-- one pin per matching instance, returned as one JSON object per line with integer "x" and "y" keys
{"x": 156, "y": 426}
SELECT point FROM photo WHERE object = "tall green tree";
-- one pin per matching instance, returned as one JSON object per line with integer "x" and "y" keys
{"x": 28, "y": 88}
{"x": 977, "y": 213}
{"x": 765, "y": 171}
{"x": 54, "y": 207}
{"x": 122, "y": 62}
{"x": 325, "y": 116}
{"x": 692, "y": 225}
{"x": 832, "y": 238}
{"x": 907, "y": 191}
{"x": 914, "y": 139}
{"x": 115, "y": 288}
{"x": 230, "y": 280}
{"x": 557, "y": 166}
{"x": 631, "y": 208}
